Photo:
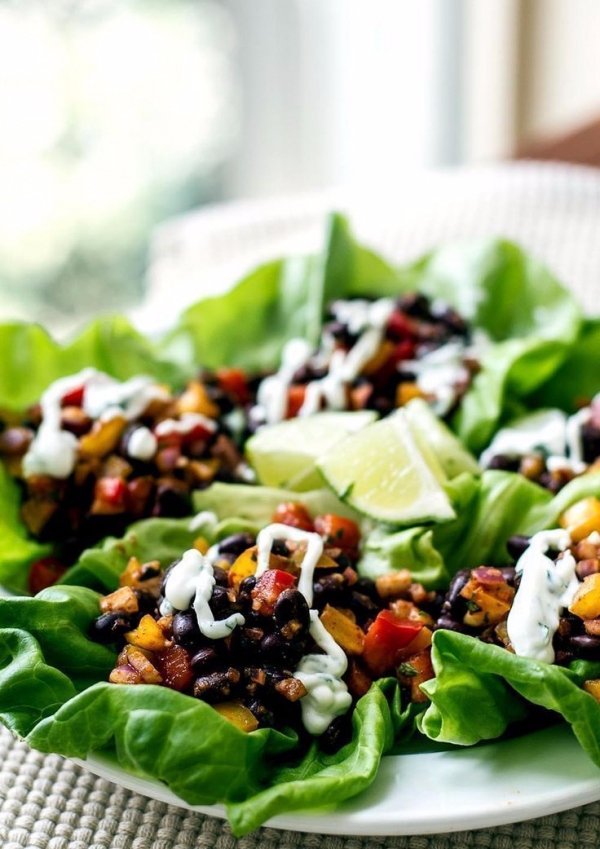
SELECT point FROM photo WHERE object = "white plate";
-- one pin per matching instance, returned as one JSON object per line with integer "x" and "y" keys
{"x": 498, "y": 783}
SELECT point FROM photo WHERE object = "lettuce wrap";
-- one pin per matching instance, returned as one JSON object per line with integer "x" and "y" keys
{"x": 54, "y": 693}
{"x": 249, "y": 325}
{"x": 481, "y": 280}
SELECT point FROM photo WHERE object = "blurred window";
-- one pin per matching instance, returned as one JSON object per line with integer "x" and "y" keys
{"x": 114, "y": 115}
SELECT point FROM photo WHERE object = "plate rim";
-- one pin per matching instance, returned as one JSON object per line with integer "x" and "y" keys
{"x": 443, "y": 814}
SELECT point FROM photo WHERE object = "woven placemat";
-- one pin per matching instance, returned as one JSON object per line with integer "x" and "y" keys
{"x": 49, "y": 803}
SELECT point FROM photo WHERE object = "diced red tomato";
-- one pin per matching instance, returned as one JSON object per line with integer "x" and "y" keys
{"x": 296, "y": 395}
{"x": 293, "y": 514}
{"x": 233, "y": 382}
{"x": 268, "y": 588}
{"x": 404, "y": 350}
{"x": 73, "y": 398}
{"x": 385, "y": 639}
{"x": 112, "y": 491}
{"x": 175, "y": 667}
{"x": 338, "y": 531}
{"x": 400, "y": 326}
{"x": 45, "y": 572}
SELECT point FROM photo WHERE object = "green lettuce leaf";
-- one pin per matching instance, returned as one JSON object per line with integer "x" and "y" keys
{"x": 17, "y": 550}
{"x": 577, "y": 380}
{"x": 480, "y": 689}
{"x": 30, "y": 359}
{"x": 489, "y": 509}
{"x": 54, "y": 692}
{"x": 237, "y": 507}
{"x": 482, "y": 280}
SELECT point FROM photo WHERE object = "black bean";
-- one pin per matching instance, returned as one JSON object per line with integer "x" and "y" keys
{"x": 454, "y": 601}
{"x": 185, "y": 629}
{"x": 280, "y": 548}
{"x": 172, "y": 499}
{"x": 590, "y": 438}
{"x": 291, "y": 607}
{"x": 516, "y": 545}
{"x": 236, "y": 544}
{"x": 217, "y": 686}
{"x": 414, "y": 304}
{"x": 277, "y": 650}
{"x": 110, "y": 626}
{"x": 362, "y": 606}
{"x": 265, "y": 717}
{"x": 221, "y": 579}
{"x": 503, "y": 463}
{"x": 447, "y": 623}
{"x": 367, "y": 587}
{"x": 245, "y": 589}
{"x": 586, "y": 646}
{"x": 337, "y": 734}
{"x": 205, "y": 660}
{"x": 219, "y": 603}
{"x": 166, "y": 574}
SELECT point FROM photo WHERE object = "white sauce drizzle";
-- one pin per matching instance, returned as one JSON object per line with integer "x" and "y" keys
{"x": 193, "y": 579}
{"x": 314, "y": 549}
{"x": 53, "y": 451}
{"x": 552, "y": 431}
{"x": 273, "y": 390}
{"x": 321, "y": 674}
{"x": 185, "y": 424}
{"x": 367, "y": 318}
{"x": 205, "y": 517}
{"x": 546, "y": 588}
{"x": 327, "y": 694}
{"x": 438, "y": 373}
{"x": 546, "y": 428}
{"x": 142, "y": 444}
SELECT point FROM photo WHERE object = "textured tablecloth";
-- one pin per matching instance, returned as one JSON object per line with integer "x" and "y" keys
{"x": 48, "y": 803}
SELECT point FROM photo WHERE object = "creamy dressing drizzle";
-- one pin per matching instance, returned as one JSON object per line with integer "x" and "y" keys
{"x": 314, "y": 549}
{"x": 327, "y": 695}
{"x": 546, "y": 588}
{"x": 53, "y": 451}
{"x": 438, "y": 373}
{"x": 552, "y": 431}
{"x": 185, "y": 424}
{"x": 191, "y": 581}
{"x": 205, "y": 517}
{"x": 273, "y": 390}
{"x": 142, "y": 444}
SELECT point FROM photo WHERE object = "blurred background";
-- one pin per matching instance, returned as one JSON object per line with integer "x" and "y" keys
{"x": 116, "y": 115}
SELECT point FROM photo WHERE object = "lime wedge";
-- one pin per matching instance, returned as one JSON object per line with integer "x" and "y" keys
{"x": 381, "y": 472}
{"x": 439, "y": 445}
{"x": 285, "y": 454}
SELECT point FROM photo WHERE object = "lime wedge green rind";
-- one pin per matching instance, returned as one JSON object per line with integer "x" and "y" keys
{"x": 436, "y": 440}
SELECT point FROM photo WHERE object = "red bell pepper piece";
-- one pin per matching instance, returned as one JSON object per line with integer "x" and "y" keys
{"x": 112, "y": 491}
{"x": 338, "y": 531}
{"x": 385, "y": 639}
{"x": 296, "y": 395}
{"x": 268, "y": 588}
{"x": 73, "y": 398}
{"x": 45, "y": 572}
{"x": 232, "y": 381}
{"x": 293, "y": 514}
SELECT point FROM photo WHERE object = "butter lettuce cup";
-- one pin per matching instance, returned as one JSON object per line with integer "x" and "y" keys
{"x": 241, "y": 661}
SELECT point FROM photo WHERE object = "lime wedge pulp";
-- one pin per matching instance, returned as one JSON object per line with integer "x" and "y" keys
{"x": 382, "y": 473}
{"x": 285, "y": 454}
